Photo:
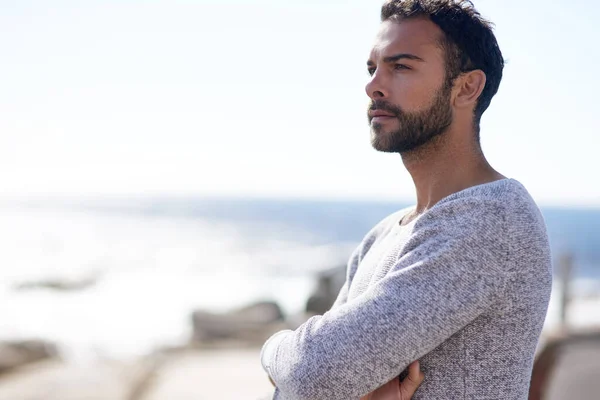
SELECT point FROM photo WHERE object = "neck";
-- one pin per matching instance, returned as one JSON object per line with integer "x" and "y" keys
{"x": 447, "y": 164}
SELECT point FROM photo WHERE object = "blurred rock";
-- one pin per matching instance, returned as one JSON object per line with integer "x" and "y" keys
{"x": 252, "y": 324}
{"x": 17, "y": 354}
{"x": 58, "y": 284}
{"x": 328, "y": 286}
{"x": 264, "y": 311}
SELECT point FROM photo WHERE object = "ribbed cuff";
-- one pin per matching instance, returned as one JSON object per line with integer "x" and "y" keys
{"x": 269, "y": 349}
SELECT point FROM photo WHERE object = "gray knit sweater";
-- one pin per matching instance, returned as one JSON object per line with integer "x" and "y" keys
{"x": 464, "y": 288}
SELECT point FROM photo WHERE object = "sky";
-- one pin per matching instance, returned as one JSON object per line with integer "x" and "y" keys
{"x": 266, "y": 98}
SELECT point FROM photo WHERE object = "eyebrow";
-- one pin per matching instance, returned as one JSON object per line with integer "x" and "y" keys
{"x": 394, "y": 58}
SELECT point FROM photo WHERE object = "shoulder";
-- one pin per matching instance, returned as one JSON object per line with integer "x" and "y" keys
{"x": 499, "y": 205}
{"x": 384, "y": 226}
{"x": 380, "y": 229}
{"x": 498, "y": 220}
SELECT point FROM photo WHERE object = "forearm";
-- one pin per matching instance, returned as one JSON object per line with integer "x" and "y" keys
{"x": 315, "y": 361}
{"x": 355, "y": 348}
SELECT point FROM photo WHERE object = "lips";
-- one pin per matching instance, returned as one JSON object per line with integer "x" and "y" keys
{"x": 380, "y": 113}
{"x": 380, "y": 116}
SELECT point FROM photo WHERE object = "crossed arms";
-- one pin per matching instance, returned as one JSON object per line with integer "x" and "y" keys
{"x": 438, "y": 285}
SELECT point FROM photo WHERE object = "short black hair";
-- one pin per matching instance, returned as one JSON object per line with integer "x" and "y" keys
{"x": 469, "y": 42}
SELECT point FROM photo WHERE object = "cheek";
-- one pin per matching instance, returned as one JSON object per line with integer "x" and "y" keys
{"x": 413, "y": 94}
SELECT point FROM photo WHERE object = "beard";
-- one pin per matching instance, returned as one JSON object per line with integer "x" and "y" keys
{"x": 415, "y": 129}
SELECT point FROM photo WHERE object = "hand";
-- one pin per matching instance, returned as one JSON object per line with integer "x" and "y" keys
{"x": 399, "y": 390}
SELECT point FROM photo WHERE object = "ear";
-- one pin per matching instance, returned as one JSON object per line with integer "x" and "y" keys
{"x": 468, "y": 87}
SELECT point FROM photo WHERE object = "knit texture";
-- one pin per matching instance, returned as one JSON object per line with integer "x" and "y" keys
{"x": 464, "y": 288}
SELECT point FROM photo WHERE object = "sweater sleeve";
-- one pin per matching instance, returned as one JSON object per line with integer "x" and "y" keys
{"x": 445, "y": 278}
{"x": 342, "y": 296}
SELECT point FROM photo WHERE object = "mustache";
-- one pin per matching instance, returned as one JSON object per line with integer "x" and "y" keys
{"x": 383, "y": 105}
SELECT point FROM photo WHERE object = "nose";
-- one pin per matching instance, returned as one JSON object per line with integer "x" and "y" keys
{"x": 375, "y": 88}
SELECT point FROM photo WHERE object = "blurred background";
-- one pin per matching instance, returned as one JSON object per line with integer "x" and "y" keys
{"x": 180, "y": 179}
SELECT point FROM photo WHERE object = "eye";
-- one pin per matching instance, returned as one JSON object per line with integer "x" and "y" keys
{"x": 401, "y": 67}
{"x": 371, "y": 71}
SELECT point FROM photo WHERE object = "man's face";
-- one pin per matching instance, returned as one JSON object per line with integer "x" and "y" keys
{"x": 410, "y": 95}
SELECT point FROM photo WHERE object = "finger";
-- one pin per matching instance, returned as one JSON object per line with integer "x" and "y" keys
{"x": 414, "y": 371}
{"x": 413, "y": 380}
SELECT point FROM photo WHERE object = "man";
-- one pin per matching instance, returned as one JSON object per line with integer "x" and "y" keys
{"x": 460, "y": 282}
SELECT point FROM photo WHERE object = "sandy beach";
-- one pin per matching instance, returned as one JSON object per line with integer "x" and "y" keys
{"x": 227, "y": 374}
{"x": 231, "y": 374}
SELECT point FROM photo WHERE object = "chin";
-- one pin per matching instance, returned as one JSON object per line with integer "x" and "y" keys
{"x": 380, "y": 144}
{"x": 380, "y": 140}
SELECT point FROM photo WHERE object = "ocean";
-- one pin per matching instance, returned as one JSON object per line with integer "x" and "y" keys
{"x": 146, "y": 263}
